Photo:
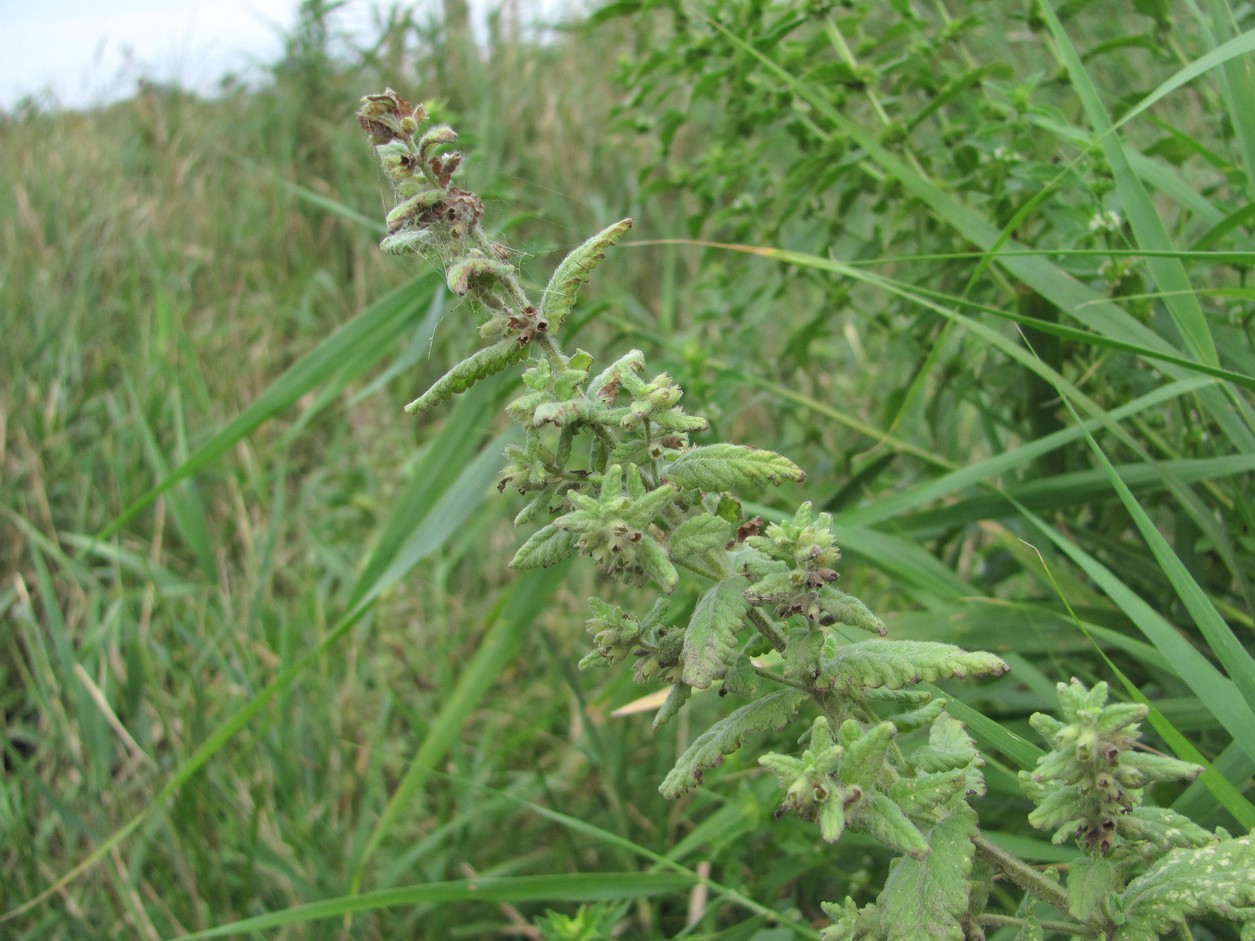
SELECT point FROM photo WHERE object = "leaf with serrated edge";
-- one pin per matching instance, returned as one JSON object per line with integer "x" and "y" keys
{"x": 676, "y": 698}
{"x": 699, "y": 534}
{"x": 1091, "y": 882}
{"x": 1214, "y": 880}
{"x": 873, "y": 663}
{"x": 545, "y": 547}
{"x": 771, "y": 713}
{"x": 710, "y": 640}
{"x": 560, "y": 293}
{"x": 479, "y": 365}
{"x": 733, "y": 467}
{"x": 924, "y": 899}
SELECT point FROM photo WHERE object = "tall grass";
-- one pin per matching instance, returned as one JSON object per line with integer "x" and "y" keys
{"x": 298, "y": 673}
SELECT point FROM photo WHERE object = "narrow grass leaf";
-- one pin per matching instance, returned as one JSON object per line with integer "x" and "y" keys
{"x": 363, "y": 339}
{"x": 558, "y": 887}
{"x": 1056, "y": 285}
{"x": 1148, "y": 228}
{"x": 186, "y": 506}
{"x": 511, "y": 619}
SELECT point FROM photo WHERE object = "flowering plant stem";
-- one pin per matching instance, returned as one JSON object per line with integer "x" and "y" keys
{"x": 769, "y": 626}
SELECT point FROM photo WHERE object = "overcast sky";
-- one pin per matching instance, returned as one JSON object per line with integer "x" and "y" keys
{"x": 88, "y": 52}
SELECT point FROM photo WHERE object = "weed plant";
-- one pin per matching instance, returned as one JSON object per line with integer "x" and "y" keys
{"x": 610, "y": 473}
{"x": 292, "y": 684}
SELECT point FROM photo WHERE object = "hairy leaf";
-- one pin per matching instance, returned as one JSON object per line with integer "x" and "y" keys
{"x": 741, "y": 679}
{"x": 874, "y": 663}
{"x": 710, "y": 641}
{"x": 1214, "y": 880}
{"x": 773, "y": 712}
{"x": 679, "y": 694}
{"x": 479, "y": 365}
{"x": 699, "y": 534}
{"x": 485, "y": 270}
{"x": 924, "y": 899}
{"x": 654, "y": 561}
{"x": 545, "y": 547}
{"x": 1091, "y": 882}
{"x": 1163, "y": 828}
{"x": 717, "y": 467}
{"x": 885, "y": 822}
{"x": 564, "y": 286}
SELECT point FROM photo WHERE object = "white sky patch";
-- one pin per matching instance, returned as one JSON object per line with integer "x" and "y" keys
{"x": 85, "y": 53}
{"x": 82, "y": 53}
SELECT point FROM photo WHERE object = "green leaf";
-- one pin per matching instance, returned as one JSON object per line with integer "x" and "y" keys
{"x": 741, "y": 679}
{"x": 679, "y": 694}
{"x": 479, "y": 365}
{"x": 564, "y": 286}
{"x": 875, "y": 663}
{"x": 771, "y": 713}
{"x": 1163, "y": 828}
{"x": 710, "y": 640}
{"x": 699, "y": 534}
{"x": 1091, "y": 882}
{"x": 351, "y": 350}
{"x": 718, "y": 467}
{"x": 884, "y": 821}
{"x": 1212, "y": 881}
{"x": 545, "y": 547}
{"x": 557, "y": 887}
{"x": 652, "y": 557}
{"x": 924, "y": 899}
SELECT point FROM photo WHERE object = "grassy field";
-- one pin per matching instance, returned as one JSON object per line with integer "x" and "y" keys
{"x": 1011, "y": 347}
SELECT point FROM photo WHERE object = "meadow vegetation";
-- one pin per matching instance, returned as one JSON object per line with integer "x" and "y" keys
{"x": 297, "y": 693}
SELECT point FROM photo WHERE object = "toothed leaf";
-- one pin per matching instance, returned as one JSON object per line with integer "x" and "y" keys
{"x": 770, "y": 713}
{"x": 560, "y": 293}
{"x": 546, "y": 547}
{"x": 874, "y": 663}
{"x": 679, "y": 694}
{"x": 479, "y": 365}
{"x": 924, "y": 899}
{"x": 699, "y": 534}
{"x": 1212, "y": 881}
{"x": 718, "y": 467}
{"x": 710, "y": 640}
{"x": 1091, "y": 882}
{"x": 883, "y": 820}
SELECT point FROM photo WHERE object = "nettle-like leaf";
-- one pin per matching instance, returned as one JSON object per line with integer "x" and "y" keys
{"x": 1091, "y": 883}
{"x": 547, "y": 546}
{"x": 1213, "y": 881}
{"x": 768, "y": 714}
{"x": 678, "y": 696}
{"x": 851, "y": 923}
{"x": 699, "y": 534}
{"x": 710, "y": 641}
{"x": 873, "y": 663}
{"x": 1162, "y": 829}
{"x": 741, "y": 679}
{"x": 575, "y": 270}
{"x": 924, "y": 899}
{"x": 479, "y": 365}
{"x": 716, "y": 467}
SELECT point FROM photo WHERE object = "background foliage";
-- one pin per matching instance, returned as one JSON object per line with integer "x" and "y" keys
{"x": 303, "y": 672}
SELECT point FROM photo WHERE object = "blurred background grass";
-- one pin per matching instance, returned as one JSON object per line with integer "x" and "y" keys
{"x": 170, "y": 262}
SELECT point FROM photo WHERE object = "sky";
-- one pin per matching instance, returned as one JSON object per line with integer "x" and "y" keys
{"x": 90, "y": 52}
